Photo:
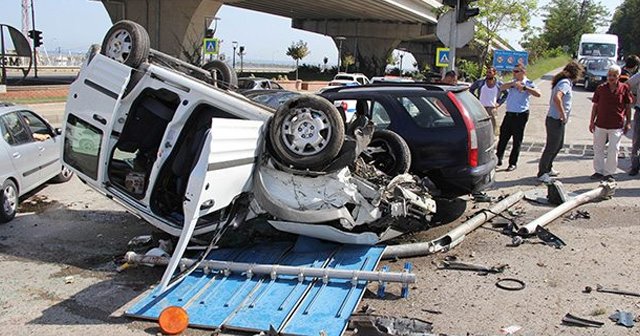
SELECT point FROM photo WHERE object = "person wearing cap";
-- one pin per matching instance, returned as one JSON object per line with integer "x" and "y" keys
{"x": 519, "y": 90}
{"x": 610, "y": 119}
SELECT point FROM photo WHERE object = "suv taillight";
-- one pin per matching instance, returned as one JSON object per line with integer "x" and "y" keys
{"x": 472, "y": 142}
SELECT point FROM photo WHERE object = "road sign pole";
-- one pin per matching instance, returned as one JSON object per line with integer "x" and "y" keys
{"x": 453, "y": 39}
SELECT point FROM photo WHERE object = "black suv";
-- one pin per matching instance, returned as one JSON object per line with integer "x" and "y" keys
{"x": 446, "y": 128}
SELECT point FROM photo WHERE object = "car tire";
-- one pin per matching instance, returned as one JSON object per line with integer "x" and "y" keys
{"x": 587, "y": 85}
{"x": 8, "y": 201}
{"x": 64, "y": 176}
{"x": 226, "y": 77}
{"x": 392, "y": 155}
{"x": 306, "y": 132}
{"x": 126, "y": 42}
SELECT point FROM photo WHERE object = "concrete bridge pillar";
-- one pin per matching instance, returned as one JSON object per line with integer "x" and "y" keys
{"x": 176, "y": 27}
{"x": 370, "y": 41}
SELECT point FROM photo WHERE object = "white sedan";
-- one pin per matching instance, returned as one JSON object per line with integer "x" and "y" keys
{"x": 29, "y": 156}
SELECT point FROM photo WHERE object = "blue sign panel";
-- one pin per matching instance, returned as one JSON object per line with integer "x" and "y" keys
{"x": 506, "y": 60}
{"x": 442, "y": 57}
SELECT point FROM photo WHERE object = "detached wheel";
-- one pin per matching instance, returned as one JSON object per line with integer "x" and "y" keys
{"x": 226, "y": 77}
{"x": 126, "y": 42}
{"x": 306, "y": 132}
{"x": 65, "y": 175}
{"x": 9, "y": 201}
{"x": 388, "y": 152}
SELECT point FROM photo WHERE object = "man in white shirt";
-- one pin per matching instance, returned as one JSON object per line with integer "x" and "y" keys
{"x": 488, "y": 92}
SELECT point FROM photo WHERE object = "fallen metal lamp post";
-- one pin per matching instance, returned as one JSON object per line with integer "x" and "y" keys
{"x": 276, "y": 270}
{"x": 604, "y": 191}
{"x": 453, "y": 237}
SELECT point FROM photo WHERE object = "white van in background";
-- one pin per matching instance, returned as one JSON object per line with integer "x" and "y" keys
{"x": 598, "y": 45}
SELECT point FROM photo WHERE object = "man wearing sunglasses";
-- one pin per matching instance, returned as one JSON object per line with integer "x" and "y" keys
{"x": 520, "y": 89}
{"x": 610, "y": 119}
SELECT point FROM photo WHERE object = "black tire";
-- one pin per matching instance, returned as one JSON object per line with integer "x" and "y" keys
{"x": 64, "y": 176}
{"x": 126, "y": 42}
{"x": 226, "y": 77}
{"x": 587, "y": 85}
{"x": 8, "y": 201}
{"x": 389, "y": 153}
{"x": 310, "y": 119}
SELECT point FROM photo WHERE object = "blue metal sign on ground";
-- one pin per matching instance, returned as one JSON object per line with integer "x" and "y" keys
{"x": 506, "y": 60}
{"x": 291, "y": 305}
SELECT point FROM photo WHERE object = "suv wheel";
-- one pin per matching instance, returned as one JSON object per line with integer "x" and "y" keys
{"x": 8, "y": 201}
{"x": 388, "y": 152}
{"x": 306, "y": 132}
{"x": 225, "y": 76}
{"x": 126, "y": 42}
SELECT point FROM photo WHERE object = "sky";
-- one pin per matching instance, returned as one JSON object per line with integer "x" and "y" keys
{"x": 73, "y": 25}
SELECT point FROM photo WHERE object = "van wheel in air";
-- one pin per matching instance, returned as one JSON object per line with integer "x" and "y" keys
{"x": 126, "y": 42}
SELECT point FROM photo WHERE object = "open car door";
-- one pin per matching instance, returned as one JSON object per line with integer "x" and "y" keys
{"x": 94, "y": 97}
{"x": 223, "y": 171}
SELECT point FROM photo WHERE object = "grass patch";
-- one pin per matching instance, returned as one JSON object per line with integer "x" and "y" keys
{"x": 543, "y": 66}
{"x": 26, "y": 101}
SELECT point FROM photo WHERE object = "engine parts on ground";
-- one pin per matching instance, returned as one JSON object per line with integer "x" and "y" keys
{"x": 624, "y": 318}
{"x": 481, "y": 269}
{"x": 615, "y": 291}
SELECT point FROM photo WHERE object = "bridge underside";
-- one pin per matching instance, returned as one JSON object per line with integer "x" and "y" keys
{"x": 371, "y": 29}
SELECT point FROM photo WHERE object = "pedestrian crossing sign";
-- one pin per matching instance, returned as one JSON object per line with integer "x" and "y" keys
{"x": 211, "y": 46}
{"x": 442, "y": 57}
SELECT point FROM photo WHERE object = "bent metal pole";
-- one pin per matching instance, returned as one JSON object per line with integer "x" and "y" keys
{"x": 453, "y": 237}
{"x": 605, "y": 190}
{"x": 275, "y": 270}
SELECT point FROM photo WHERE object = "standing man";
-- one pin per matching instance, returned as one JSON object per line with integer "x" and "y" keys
{"x": 515, "y": 119}
{"x": 487, "y": 90}
{"x": 634, "y": 86}
{"x": 610, "y": 119}
{"x": 557, "y": 117}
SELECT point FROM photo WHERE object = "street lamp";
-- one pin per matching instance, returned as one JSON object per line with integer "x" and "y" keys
{"x": 402, "y": 51}
{"x": 235, "y": 45}
{"x": 340, "y": 39}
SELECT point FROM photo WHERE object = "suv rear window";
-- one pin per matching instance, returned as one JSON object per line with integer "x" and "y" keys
{"x": 427, "y": 112}
{"x": 472, "y": 105}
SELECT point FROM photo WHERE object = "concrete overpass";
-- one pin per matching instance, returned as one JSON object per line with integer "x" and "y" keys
{"x": 373, "y": 28}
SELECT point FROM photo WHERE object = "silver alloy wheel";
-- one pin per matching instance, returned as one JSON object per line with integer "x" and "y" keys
{"x": 10, "y": 200}
{"x": 66, "y": 173}
{"x": 119, "y": 45}
{"x": 306, "y": 131}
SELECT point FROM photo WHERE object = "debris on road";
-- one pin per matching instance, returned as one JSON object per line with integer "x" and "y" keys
{"x": 573, "y": 320}
{"x": 376, "y": 325}
{"x": 615, "y": 291}
{"x": 624, "y": 318}
{"x": 481, "y": 269}
{"x": 604, "y": 191}
{"x": 69, "y": 280}
{"x": 549, "y": 238}
{"x": 510, "y": 330}
{"x": 510, "y": 284}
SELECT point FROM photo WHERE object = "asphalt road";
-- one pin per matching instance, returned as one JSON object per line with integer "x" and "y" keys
{"x": 57, "y": 258}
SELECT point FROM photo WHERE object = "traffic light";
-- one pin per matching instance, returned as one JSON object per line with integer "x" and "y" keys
{"x": 465, "y": 12}
{"x": 241, "y": 50}
{"x": 36, "y": 36}
{"x": 209, "y": 33}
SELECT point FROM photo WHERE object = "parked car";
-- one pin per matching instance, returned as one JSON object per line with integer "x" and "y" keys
{"x": 257, "y": 83}
{"x": 595, "y": 71}
{"x": 270, "y": 98}
{"x": 353, "y": 77}
{"x": 29, "y": 156}
{"x": 338, "y": 82}
{"x": 448, "y": 132}
{"x": 210, "y": 157}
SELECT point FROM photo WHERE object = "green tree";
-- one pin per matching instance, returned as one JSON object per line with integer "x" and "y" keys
{"x": 498, "y": 16}
{"x": 347, "y": 60}
{"x": 297, "y": 51}
{"x": 566, "y": 20}
{"x": 626, "y": 25}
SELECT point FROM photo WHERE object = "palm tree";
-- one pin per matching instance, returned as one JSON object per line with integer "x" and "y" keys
{"x": 297, "y": 51}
